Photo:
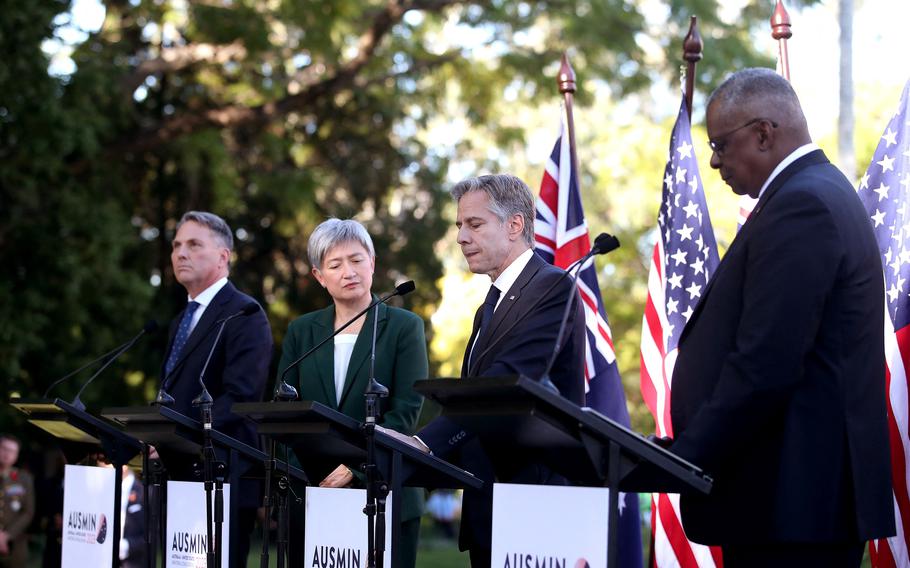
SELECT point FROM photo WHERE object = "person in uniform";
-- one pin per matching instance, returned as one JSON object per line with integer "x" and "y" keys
{"x": 17, "y": 505}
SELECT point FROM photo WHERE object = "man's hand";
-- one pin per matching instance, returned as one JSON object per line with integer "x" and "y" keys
{"x": 405, "y": 439}
{"x": 342, "y": 476}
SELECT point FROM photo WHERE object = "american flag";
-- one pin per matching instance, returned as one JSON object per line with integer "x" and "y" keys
{"x": 562, "y": 238}
{"x": 885, "y": 191}
{"x": 684, "y": 257}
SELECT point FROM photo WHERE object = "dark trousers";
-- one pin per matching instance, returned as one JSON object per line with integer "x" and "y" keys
{"x": 794, "y": 555}
{"x": 480, "y": 557}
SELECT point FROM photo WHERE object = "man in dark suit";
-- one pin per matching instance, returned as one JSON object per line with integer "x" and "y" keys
{"x": 496, "y": 232}
{"x": 238, "y": 369}
{"x": 779, "y": 387}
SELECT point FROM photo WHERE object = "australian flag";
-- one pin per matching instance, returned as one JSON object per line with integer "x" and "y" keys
{"x": 561, "y": 235}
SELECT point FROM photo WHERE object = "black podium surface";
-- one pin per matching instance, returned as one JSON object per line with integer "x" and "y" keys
{"x": 172, "y": 432}
{"x": 323, "y": 438}
{"x": 80, "y": 432}
{"x": 519, "y": 421}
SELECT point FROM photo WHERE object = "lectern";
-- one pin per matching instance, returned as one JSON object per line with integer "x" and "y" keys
{"x": 173, "y": 433}
{"x": 322, "y": 438}
{"x": 78, "y": 433}
{"x": 519, "y": 421}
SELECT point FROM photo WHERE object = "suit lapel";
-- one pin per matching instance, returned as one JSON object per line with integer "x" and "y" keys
{"x": 467, "y": 352}
{"x": 325, "y": 355}
{"x": 213, "y": 312}
{"x": 812, "y": 158}
{"x": 361, "y": 353}
{"x": 508, "y": 300}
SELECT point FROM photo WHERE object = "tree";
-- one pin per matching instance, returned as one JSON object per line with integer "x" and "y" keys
{"x": 276, "y": 115}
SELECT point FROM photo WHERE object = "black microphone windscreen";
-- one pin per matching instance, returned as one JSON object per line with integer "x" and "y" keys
{"x": 151, "y": 326}
{"x": 405, "y": 288}
{"x": 605, "y": 243}
{"x": 250, "y": 309}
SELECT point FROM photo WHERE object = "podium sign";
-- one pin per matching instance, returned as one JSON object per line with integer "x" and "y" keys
{"x": 336, "y": 528}
{"x": 186, "y": 543}
{"x": 545, "y": 525}
{"x": 88, "y": 516}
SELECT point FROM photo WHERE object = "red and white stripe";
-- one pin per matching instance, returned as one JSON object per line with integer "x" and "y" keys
{"x": 671, "y": 547}
{"x": 893, "y": 552}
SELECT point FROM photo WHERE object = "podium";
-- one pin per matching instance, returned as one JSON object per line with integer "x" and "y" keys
{"x": 519, "y": 421}
{"x": 174, "y": 433}
{"x": 78, "y": 432}
{"x": 322, "y": 438}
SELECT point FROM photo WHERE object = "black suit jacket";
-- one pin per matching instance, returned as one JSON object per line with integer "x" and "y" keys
{"x": 522, "y": 350}
{"x": 237, "y": 372}
{"x": 779, "y": 387}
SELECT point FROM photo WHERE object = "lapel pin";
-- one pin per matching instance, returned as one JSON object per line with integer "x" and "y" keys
{"x": 511, "y": 297}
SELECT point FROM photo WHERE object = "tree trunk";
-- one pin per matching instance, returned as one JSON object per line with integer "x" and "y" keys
{"x": 845, "y": 117}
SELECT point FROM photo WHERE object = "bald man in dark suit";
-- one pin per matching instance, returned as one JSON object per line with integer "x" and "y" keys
{"x": 779, "y": 387}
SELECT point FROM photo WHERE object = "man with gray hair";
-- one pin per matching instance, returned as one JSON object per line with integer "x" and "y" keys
{"x": 239, "y": 366}
{"x": 496, "y": 232}
{"x": 779, "y": 386}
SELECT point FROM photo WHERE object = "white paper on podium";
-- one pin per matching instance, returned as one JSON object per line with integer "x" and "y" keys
{"x": 186, "y": 534}
{"x": 88, "y": 516}
{"x": 546, "y": 525}
{"x": 336, "y": 528}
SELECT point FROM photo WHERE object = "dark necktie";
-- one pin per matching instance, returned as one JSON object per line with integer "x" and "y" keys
{"x": 486, "y": 316}
{"x": 183, "y": 333}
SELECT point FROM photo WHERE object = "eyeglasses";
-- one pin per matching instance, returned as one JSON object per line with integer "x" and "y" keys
{"x": 719, "y": 144}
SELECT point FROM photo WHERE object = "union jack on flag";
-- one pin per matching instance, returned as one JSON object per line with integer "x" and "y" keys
{"x": 885, "y": 191}
{"x": 684, "y": 257}
{"x": 561, "y": 233}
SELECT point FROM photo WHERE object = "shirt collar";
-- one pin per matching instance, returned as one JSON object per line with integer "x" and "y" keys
{"x": 206, "y": 296}
{"x": 511, "y": 273}
{"x": 794, "y": 155}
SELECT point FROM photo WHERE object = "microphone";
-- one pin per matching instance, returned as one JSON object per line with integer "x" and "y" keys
{"x": 204, "y": 396}
{"x": 163, "y": 397}
{"x": 284, "y": 391}
{"x": 603, "y": 244}
{"x": 150, "y": 327}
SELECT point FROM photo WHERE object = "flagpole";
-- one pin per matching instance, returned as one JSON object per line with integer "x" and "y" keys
{"x": 780, "y": 30}
{"x": 566, "y": 83}
{"x": 692, "y": 47}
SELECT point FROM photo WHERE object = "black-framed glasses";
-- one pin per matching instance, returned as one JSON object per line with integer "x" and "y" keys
{"x": 719, "y": 144}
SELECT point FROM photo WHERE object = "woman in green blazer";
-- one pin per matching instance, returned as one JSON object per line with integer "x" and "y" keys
{"x": 343, "y": 260}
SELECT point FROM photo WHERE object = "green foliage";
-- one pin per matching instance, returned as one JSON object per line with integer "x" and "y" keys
{"x": 277, "y": 115}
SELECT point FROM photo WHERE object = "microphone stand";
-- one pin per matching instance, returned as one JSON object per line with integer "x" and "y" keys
{"x": 377, "y": 490}
{"x": 210, "y": 464}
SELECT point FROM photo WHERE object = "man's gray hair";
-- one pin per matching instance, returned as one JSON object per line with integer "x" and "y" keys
{"x": 758, "y": 86}
{"x": 334, "y": 232}
{"x": 508, "y": 196}
{"x": 216, "y": 224}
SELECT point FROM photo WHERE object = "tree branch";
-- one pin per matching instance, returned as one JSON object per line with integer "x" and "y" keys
{"x": 176, "y": 58}
{"x": 234, "y": 116}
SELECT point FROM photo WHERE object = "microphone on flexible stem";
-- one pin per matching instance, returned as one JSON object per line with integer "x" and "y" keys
{"x": 374, "y": 386}
{"x": 285, "y": 392}
{"x": 150, "y": 327}
{"x": 603, "y": 244}
{"x": 204, "y": 396}
{"x": 163, "y": 397}
{"x": 84, "y": 367}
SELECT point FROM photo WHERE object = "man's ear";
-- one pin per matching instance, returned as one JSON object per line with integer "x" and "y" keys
{"x": 766, "y": 135}
{"x": 516, "y": 226}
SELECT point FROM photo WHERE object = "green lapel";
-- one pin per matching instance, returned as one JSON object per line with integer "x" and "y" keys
{"x": 325, "y": 355}
{"x": 361, "y": 354}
